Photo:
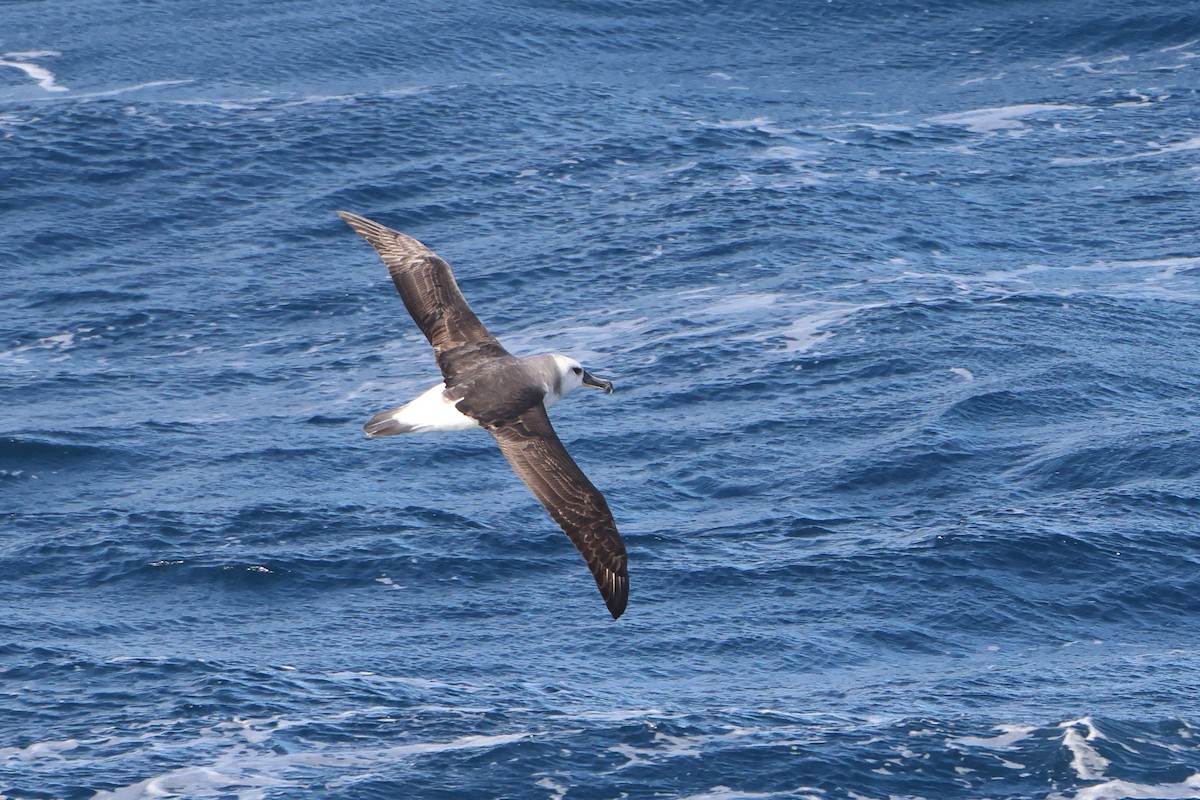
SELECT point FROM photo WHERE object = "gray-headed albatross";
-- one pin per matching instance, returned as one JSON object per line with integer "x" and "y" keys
{"x": 507, "y": 396}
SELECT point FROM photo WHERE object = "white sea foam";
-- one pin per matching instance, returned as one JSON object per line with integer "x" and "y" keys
{"x": 1088, "y": 764}
{"x": 1006, "y": 118}
{"x": 247, "y": 773}
{"x": 1084, "y": 65}
{"x": 806, "y": 332}
{"x": 652, "y": 255}
{"x": 319, "y": 99}
{"x": 667, "y": 747}
{"x": 764, "y": 124}
{"x": 1135, "y": 277}
{"x": 997, "y": 77}
{"x": 1155, "y": 150}
{"x": 741, "y": 124}
{"x": 38, "y": 750}
{"x": 57, "y": 344}
{"x": 883, "y": 127}
{"x": 1113, "y": 790}
{"x": 739, "y": 316}
{"x": 61, "y": 341}
{"x": 785, "y": 153}
{"x": 137, "y": 87}
{"x": 1189, "y": 789}
{"x": 268, "y": 102}
{"x": 43, "y": 76}
{"x": 625, "y": 715}
{"x": 748, "y": 302}
{"x": 725, "y": 793}
{"x": 403, "y": 680}
{"x": 963, "y": 373}
{"x": 1171, "y": 47}
{"x": 559, "y": 791}
{"x": 1010, "y": 735}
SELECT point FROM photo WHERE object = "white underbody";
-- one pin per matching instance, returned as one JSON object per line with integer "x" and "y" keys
{"x": 433, "y": 411}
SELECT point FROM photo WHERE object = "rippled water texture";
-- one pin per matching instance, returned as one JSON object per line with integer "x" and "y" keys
{"x": 901, "y": 304}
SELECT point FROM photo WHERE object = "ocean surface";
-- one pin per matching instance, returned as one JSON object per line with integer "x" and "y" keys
{"x": 902, "y": 304}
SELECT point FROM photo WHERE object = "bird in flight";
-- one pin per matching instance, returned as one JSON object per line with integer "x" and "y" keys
{"x": 485, "y": 386}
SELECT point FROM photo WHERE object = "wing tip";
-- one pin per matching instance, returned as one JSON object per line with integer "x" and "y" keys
{"x": 360, "y": 224}
{"x": 616, "y": 595}
{"x": 386, "y": 241}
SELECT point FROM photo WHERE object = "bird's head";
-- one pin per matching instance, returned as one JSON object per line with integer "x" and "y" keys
{"x": 572, "y": 375}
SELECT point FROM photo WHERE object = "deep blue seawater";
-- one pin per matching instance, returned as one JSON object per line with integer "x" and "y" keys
{"x": 902, "y": 302}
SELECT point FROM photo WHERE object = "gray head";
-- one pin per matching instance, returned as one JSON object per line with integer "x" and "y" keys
{"x": 569, "y": 375}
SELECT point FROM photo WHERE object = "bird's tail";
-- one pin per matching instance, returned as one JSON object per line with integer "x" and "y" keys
{"x": 385, "y": 424}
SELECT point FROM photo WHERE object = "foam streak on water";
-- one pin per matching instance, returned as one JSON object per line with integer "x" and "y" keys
{"x": 900, "y": 301}
{"x": 25, "y": 63}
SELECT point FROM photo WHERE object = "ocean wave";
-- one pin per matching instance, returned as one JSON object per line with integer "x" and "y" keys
{"x": 40, "y": 455}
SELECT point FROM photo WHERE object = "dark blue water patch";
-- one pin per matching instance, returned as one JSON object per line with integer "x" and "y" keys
{"x": 331, "y": 421}
{"x": 1025, "y": 407}
{"x": 1148, "y": 29}
{"x": 750, "y": 387}
{"x": 966, "y": 586}
{"x": 86, "y": 299}
{"x": 59, "y": 452}
{"x": 1165, "y": 506}
{"x": 944, "y": 465}
{"x": 1125, "y": 459}
{"x": 253, "y": 549}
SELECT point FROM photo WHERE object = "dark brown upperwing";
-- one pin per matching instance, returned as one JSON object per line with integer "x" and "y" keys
{"x": 539, "y": 458}
{"x": 432, "y": 297}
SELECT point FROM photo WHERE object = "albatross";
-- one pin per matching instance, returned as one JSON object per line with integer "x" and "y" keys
{"x": 484, "y": 386}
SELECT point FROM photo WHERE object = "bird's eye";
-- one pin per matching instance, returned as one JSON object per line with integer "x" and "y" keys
{"x": 577, "y": 370}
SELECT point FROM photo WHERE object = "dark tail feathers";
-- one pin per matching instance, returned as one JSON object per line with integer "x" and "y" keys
{"x": 383, "y": 424}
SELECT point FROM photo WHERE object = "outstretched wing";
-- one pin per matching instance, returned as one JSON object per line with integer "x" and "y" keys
{"x": 539, "y": 458}
{"x": 432, "y": 297}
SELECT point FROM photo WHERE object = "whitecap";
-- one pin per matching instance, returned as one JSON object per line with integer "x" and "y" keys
{"x": 559, "y": 790}
{"x": 43, "y": 76}
{"x": 1189, "y": 789}
{"x": 1169, "y": 48}
{"x": 750, "y": 123}
{"x": 247, "y": 774}
{"x": 39, "y": 750}
{"x": 624, "y": 715}
{"x": 62, "y": 341}
{"x": 1009, "y": 735}
{"x": 722, "y": 792}
{"x": 1005, "y": 118}
{"x": 1087, "y": 762}
{"x": 763, "y": 124}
